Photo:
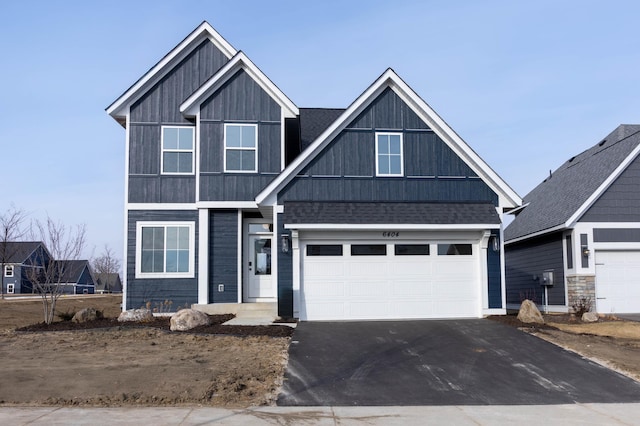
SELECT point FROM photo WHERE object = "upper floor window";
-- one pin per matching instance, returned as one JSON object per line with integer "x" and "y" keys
{"x": 165, "y": 250}
{"x": 389, "y": 154}
{"x": 8, "y": 271}
{"x": 177, "y": 150}
{"x": 241, "y": 148}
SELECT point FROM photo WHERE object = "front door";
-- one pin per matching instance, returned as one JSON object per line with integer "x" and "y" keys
{"x": 258, "y": 268}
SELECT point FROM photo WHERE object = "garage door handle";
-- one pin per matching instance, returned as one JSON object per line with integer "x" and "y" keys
{"x": 600, "y": 298}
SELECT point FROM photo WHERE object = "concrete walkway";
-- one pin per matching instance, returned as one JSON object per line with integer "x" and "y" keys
{"x": 561, "y": 415}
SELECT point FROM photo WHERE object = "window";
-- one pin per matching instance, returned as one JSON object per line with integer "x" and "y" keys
{"x": 454, "y": 250}
{"x": 412, "y": 249}
{"x": 569, "y": 252}
{"x": 240, "y": 147}
{"x": 165, "y": 250}
{"x": 324, "y": 250}
{"x": 177, "y": 150}
{"x": 8, "y": 271}
{"x": 11, "y": 288}
{"x": 389, "y": 154}
{"x": 368, "y": 250}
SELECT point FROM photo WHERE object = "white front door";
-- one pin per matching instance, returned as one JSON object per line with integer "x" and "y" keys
{"x": 259, "y": 282}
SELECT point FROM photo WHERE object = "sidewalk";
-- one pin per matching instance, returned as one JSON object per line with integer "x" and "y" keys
{"x": 574, "y": 414}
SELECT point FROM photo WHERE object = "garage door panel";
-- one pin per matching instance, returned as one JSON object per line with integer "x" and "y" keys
{"x": 389, "y": 287}
{"x": 618, "y": 281}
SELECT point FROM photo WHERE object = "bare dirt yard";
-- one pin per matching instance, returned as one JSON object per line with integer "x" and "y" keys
{"x": 612, "y": 342}
{"x": 106, "y": 363}
{"x": 112, "y": 364}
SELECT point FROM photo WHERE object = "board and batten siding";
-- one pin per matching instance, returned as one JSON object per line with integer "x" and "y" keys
{"x": 621, "y": 201}
{"x": 239, "y": 100}
{"x": 161, "y": 106}
{"x": 223, "y": 256}
{"x": 285, "y": 272}
{"x": 346, "y": 169}
{"x": 528, "y": 260}
{"x": 180, "y": 292}
{"x": 494, "y": 278}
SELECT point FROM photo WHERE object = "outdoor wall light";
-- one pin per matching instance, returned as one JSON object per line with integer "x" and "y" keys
{"x": 285, "y": 243}
{"x": 585, "y": 251}
{"x": 495, "y": 243}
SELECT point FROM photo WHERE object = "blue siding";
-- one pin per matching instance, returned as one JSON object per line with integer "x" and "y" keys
{"x": 223, "y": 255}
{"x": 494, "y": 275}
{"x": 530, "y": 259}
{"x": 621, "y": 201}
{"x": 160, "y": 106}
{"x": 345, "y": 170}
{"x": 179, "y": 291}
{"x": 285, "y": 273}
{"x": 239, "y": 100}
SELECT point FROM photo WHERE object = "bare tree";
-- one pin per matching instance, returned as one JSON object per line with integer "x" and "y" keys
{"x": 11, "y": 229}
{"x": 64, "y": 244}
{"x": 105, "y": 267}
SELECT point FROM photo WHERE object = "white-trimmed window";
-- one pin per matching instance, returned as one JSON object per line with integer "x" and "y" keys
{"x": 165, "y": 249}
{"x": 177, "y": 150}
{"x": 389, "y": 161}
{"x": 8, "y": 271}
{"x": 11, "y": 288}
{"x": 241, "y": 148}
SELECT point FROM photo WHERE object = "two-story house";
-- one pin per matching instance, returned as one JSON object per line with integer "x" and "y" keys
{"x": 20, "y": 259}
{"x": 236, "y": 195}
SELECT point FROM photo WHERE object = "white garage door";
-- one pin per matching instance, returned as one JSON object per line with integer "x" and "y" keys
{"x": 389, "y": 281}
{"x": 618, "y": 281}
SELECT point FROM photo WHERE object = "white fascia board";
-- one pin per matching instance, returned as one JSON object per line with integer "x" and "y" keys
{"x": 517, "y": 209}
{"x": 204, "y": 31}
{"x": 190, "y": 107}
{"x": 455, "y": 142}
{"x": 508, "y": 197}
{"x": 570, "y": 223}
{"x": 536, "y": 234}
{"x": 226, "y": 205}
{"x": 161, "y": 206}
{"x": 389, "y": 226}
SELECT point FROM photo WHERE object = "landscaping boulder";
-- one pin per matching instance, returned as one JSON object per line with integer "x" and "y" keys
{"x": 86, "y": 314}
{"x": 187, "y": 319}
{"x": 529, "y": 313}
{"x": 137, "y": 315}
{"x": 590, "y": 317}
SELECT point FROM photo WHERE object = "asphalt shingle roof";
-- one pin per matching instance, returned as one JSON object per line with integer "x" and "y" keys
{"x": 314, "y": 121}
{"x": 18, "y": 251}
{"x": 300, "y": 212}
{"x": 559, "y": 196}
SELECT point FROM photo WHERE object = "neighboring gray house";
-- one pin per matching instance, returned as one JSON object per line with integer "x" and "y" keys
{"x": 19, "y": 257}
{"x": 236, "y": 195}
{"x": 77, "y": 277}
{"x": 582, "y": 225}
{"x": 108, "y": 283}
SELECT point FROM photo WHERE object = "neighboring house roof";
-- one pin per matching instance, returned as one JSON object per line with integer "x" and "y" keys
{"x": 240, "y": 61}
{"x": 204, "y": 31}
{"x": 72, "y": 269}
{"x": 109, "y": 281}
{"x": 314, "y": 121}
{"x": 19, "y": 251}
{"x": 389, "y": 79}
{"x": 367, "y": 213}
{"x": 561, "y": 199}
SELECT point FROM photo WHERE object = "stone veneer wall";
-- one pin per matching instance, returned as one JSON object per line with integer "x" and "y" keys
{"x": 579, "y": 286}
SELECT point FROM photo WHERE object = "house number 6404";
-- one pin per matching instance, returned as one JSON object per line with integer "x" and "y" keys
{"x": 390, "y": 234}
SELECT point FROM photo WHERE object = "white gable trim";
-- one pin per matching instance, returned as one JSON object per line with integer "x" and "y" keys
{"x": 190, "y": 107}
{"x": 204, "y": 31}
{"x": 570, "y": 223}
{"x": 507, "y": 196}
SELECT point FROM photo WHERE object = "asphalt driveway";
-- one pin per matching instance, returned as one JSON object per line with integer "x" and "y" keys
{"x": 460, "y": 362}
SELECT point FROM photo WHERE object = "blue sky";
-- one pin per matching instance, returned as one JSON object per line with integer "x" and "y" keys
{"x": 526, "y": 84}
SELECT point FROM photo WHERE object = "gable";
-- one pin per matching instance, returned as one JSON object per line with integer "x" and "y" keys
{"x": 162, "y": 102}
{"x": 345, "y": 169}
{"x": 621, "y": 201}
{"x": 358, "y": 114}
